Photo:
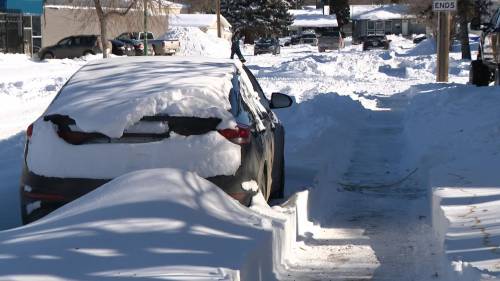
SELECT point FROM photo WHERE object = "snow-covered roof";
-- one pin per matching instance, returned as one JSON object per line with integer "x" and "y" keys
{"x": 311, "y": 17}
{"x": 196, "y": 20}
{"x": 65, "y": 4}
{"x": 380, "y": 12}
{"x": 108, "y": 96}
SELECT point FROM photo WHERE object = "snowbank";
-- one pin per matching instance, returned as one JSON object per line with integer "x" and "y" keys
{"x": 26, "y": 88}
{"x": 195, "y": 42}
{"x": 453, "y": 135}
{"x": 163, "y": 223}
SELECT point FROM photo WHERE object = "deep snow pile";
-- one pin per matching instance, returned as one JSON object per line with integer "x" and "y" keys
{"x": 29, "y": 85}
{"x": 26, "y": 88}
{"x": 153, "y": 224}
{"x": 130, "y": 88}
{"x": 195, "y": 42}
{"x": 454, "y": 132}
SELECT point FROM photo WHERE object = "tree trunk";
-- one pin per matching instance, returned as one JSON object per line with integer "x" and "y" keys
{"x": 464, "y": 38}
{"x": 104, "y": 36}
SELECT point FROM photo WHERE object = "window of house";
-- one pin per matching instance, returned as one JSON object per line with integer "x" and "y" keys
{"x": 388, "y": 27}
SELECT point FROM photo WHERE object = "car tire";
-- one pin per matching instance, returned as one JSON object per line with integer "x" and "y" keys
{"x": 278, "y": 184}
{"x": 479, "y": 74}
{"x": 264, "y": 183}
{"x": 47, "y": 56}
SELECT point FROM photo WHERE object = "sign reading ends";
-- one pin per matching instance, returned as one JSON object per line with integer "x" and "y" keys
{"x": 444, "y": 5}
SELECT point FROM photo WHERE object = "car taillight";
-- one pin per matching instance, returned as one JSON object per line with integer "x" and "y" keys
{"x": 29, "y": 131}
{"x": 239, "y": 135}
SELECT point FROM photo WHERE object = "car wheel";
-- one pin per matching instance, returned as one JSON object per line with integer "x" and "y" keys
{"x": 278, "y": 184}
{"x": 47, "y": 56}
{"x": 479, "y": 74}
{"x": 264, "y": 183}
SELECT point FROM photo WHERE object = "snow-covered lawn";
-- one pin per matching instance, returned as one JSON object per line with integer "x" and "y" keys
{"x": 401, "y": 171}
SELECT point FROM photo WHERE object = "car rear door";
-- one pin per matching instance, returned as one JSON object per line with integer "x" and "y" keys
{"x": 265, "y": 126}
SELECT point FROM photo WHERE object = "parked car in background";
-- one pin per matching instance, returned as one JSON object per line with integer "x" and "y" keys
{"x": 486, "y": 68}
{"x": 231, "y": 138}
{"x": 267, "y": 45}
{"x": 285, "y": 41}
{"x": 156, "y": 46}
{"x": 309, "y": 38}
{"x": 295, "y": 39}
{"x": 120, "y": 48}
{"x": 419, "y": 38}
{"x": 330, "y": 40}
{"x": 72, "y": 47}
{"x": 138, "y": 45}
{"x": 376, "y": 42}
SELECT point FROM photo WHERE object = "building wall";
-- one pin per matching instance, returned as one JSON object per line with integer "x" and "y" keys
{"x": 360, "y": 27}
{"x": 58, "y": 23}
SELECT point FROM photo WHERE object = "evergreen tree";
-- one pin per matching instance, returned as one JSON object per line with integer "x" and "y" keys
{"x": 255, "y": 18}
{"x": 276, "y": 17}
{"x": 296, "y": 4}
{"x": 342, "y": 10}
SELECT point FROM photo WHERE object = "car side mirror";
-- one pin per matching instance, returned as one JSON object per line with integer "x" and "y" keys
{"x": 279, "y": 100}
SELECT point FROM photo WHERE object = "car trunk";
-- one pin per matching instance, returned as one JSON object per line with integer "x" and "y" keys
{"x": 59, "y": 149}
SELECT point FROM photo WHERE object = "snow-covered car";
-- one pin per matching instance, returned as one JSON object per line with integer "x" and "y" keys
{"x": 376, "y": 42}
{"x": 115, "y": 116}
{"x": 285, "y": 41}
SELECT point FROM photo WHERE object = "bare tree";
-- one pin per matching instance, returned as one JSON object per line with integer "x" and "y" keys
{"x": 104, "y": 15}
{"x": 117, "y": 16}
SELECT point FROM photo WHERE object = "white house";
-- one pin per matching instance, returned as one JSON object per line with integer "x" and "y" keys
{"x": 384, "y": 19}
{"x": 206, "y": 22}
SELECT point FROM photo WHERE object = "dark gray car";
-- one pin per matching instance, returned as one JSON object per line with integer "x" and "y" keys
{"x": 267, "y": 45}
{"x": 72, "y": 47}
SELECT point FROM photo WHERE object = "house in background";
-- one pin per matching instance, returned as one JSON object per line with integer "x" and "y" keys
{"x": 310, "y": 18}
{"x": 384, "y": 19}
{"x": 20, "y": 26}
{"x": 205, "y": 22}
{"x": 63, "y": 18}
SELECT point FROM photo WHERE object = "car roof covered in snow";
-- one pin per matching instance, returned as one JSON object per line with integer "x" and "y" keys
{"x": 110, "y": 95}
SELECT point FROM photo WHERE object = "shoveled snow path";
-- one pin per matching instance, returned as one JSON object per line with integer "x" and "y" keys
{"x": 378, "y": 227}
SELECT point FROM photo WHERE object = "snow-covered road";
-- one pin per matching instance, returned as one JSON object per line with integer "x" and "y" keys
{"x": 371, "y": 136}
{"x": 370, "y": 202}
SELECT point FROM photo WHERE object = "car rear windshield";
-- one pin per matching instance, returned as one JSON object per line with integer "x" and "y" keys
{"x": 265, "y": 41}
{"x": 330, "y": 34}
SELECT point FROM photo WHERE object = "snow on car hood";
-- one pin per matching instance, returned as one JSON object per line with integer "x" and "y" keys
{"x": 107, "y": 96}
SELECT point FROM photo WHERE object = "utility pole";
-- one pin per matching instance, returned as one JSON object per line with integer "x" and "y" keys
{"x": 444, "y": 8}
{"x": 443, "y": 46}
{"x": 145, "y": 27}
{"x": 219, "y": 31}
